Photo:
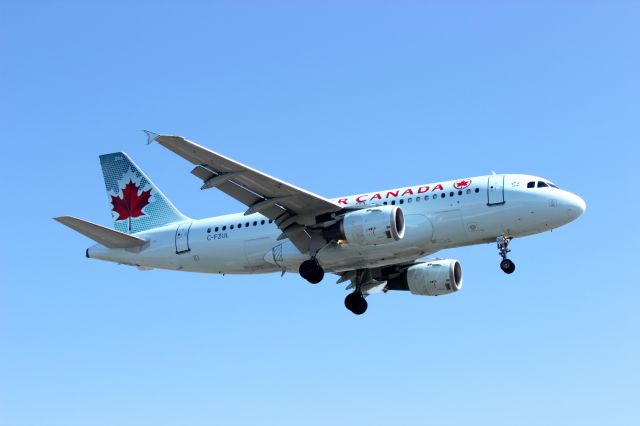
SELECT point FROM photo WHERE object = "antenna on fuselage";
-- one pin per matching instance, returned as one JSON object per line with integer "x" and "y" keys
{"x": 493, "y": 172}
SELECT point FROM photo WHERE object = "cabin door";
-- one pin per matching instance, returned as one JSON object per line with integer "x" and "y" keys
{"x": 182, "y": 238}
{"x": 495, "y": 190}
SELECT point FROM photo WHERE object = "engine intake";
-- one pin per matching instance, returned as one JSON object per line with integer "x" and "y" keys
{"x": 432, "y": 278}
{"x": 371, "y": 226}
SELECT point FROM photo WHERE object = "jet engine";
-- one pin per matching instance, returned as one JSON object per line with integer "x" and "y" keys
{"x": 371, "y": 226}
{"x": 432, "y": 278}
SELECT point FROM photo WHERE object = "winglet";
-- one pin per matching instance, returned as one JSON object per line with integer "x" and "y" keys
{"x": 150, "y": 136}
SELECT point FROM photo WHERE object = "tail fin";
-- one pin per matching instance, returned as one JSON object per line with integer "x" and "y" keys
{"x": 136, "y": 203}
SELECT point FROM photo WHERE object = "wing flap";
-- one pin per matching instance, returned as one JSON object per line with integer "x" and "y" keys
{"x": 203, "y": 173}
{"x": 100, "y": 234}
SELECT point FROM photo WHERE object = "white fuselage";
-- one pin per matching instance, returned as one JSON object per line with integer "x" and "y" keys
{"x": 437, "y": 216}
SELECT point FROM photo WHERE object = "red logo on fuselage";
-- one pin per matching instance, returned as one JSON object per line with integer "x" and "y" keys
{"x": 461, "y": 184}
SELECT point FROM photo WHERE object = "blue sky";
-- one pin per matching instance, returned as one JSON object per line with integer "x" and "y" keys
{"x": 338, "y": 98}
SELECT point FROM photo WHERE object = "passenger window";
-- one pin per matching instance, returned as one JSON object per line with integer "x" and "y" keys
{"x": 224, "y": 228}
{"x": 435, "y": 196}
{"x": 208, "y": 230}
{"x": 217, "y": 229}
{"x": 451, "y": 194}
{"x": 460, "y": 192}
{"x": 393, "y": 203}
{"x": 270, "y": 220}
{"x": 230, "y": 226}
{"x": 469, "y": 191}
{"x": 477, "y": 190}
{"x": 443, "y": 195}
{"x": 409, "y": 200}
{"x": 385, "y": 203}
{"x": 401, "y": 202}
{"x": 417, "y": 199}
{"x": 255, "y": 223}
{"x": 239, "y": 225}
{"x": 262, "y": 222}
{"x": 531, "y": 185}
{"x": 542, "y": 184}
{"x": 246, "y": 224}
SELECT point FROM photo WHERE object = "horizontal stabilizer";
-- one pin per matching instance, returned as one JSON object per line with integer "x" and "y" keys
{"x": 100, "y": 234}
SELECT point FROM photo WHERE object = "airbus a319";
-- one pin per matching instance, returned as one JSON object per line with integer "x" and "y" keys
{"x": 376, "y": 242}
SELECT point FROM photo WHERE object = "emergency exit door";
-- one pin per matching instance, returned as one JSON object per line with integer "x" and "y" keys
{"x": 182, "y": 238}
{"x": 495, "y": 190}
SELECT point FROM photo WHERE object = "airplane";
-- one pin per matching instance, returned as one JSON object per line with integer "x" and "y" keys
{"x": 377, "y": 241}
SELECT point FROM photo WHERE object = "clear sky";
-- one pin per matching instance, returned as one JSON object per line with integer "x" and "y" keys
{"x": 338, "y": 98}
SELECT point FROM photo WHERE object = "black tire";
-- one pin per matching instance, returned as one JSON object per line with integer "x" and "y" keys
{"x": 356, "y": 303}
{"x": 349, "y": 301}
{"x": 507, "y": 266}
{"x": 311, "y": 271}
{"x": 305, "y": 269}
{"x": 316, "y": 276}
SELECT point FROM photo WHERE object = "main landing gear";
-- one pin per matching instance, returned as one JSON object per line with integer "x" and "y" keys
{"x": 311, "y": 271}
{"x": 355, "y": 302}
{"x": 506, "y": 265}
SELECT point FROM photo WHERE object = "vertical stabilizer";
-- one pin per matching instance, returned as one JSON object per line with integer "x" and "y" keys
{"x": 136, "y": 203}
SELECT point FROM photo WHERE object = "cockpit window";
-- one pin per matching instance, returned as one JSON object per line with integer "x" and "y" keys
{"x": 531, "y": 185}
{"x": 542, "y": 184}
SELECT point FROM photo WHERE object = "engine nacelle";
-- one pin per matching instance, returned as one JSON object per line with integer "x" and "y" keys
{"x": 371, "y": 226}
{"x": 432, "y": 278}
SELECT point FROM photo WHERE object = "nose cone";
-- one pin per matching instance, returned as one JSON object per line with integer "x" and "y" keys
{"x": 575, "y": 205}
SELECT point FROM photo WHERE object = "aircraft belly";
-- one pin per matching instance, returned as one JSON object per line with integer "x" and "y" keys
{"x": 340, "y": 256}
{"x": 234, "y": 254}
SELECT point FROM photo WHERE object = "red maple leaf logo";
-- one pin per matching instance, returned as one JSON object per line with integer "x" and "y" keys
{"x": 462, "y": 183}
{"x": 131, "y": 203}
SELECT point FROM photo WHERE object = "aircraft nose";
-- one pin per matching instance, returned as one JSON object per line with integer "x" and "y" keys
{"x": 575, "y": 206}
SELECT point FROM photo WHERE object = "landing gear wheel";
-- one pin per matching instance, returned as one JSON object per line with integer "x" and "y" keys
{"x": 356, "y": 303}
{"x": 507, "y": 266}
{"x": 311, "y": 271}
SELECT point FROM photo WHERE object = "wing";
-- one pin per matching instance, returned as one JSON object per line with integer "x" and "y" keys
{"x": 292, "y": 208}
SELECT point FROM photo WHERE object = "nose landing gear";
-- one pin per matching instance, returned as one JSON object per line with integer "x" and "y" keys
{"x": 506, "y": 265}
